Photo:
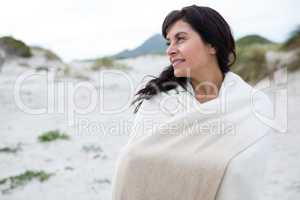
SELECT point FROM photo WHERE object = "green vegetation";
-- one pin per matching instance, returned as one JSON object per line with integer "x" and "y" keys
{"x": 15, "y": 47}
{"x": 108, "y": 63}
{"x": 251, "y": 50}
{"x": 80, "y": 75}
{"x": 23, "y": 64}
{"x": 42, "y": 68}
{"x": 92, "y": 148}
{"x": 105, "y": 61}
{"x": 53, "y": 135}
{"x": 13, "y": 182}
{"x": 252, "y": 40}
{"x": 50, "y": 55}
{"x": 295, "y": 64}
{"x": 10, "y": 149}
{"x": 66, "y": 70}
{"x": 251, "y": 63}
{"x": 293, "y": 41}
{"x": 102, "y": 181}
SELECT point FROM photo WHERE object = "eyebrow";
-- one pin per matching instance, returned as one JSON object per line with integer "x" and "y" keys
{"x": 177, "y": 34}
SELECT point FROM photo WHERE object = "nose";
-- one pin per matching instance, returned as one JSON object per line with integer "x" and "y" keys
{"x": 171, "y": 50}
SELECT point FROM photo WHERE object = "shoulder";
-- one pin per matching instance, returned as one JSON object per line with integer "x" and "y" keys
{"x": 239, "y": 90}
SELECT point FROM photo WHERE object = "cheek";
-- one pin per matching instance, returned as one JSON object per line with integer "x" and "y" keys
{"x": 193, "y": 52}
{"x": 200, "y": 58}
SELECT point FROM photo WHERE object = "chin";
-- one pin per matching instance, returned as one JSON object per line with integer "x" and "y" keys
{"x": 180, "y": 73}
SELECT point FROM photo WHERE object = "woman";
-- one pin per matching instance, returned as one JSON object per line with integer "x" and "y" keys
{"x": 196, "y": 134}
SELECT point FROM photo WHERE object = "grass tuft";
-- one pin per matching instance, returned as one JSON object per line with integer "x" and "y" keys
{"x": 53, "y": 135}
{"x": 11, "y": 149}
{"x": 12, "y": 182}
{"x": 108, "y": 63}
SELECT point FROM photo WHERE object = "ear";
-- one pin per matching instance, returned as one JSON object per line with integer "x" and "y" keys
{"x": 211, "y": 49}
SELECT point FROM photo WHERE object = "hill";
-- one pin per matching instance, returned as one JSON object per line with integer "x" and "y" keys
{"x": 153, "y": 45}
{"x": 251, "y": 40}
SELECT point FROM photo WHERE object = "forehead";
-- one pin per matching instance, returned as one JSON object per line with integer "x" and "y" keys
{"x": 179, "y": 27}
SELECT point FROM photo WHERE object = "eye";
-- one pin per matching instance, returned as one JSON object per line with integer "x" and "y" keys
{"x": 180, "y": 38}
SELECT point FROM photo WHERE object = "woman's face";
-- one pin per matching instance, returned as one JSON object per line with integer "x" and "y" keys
{"x": 187, "y": 52}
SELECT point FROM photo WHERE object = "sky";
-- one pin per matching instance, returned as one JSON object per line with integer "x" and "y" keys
{"x": 82, "y": 29}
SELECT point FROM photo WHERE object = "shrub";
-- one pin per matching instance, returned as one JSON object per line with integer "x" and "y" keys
{"x": 50, "y": 55}
{"x": 252, "y": 40}
{"x": 108, "y": 63}
{"x": 295, "y": 64}
{"x": 293, "y": 41}
{"x": 15, "y": 47}
{"x": 11, "y": 149}
{"x": 13, "y": 182}
{"x": 251, "y": 63}
{"x": 53, "y": 135}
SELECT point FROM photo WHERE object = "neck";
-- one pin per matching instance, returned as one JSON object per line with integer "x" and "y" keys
{"x": 207, "y": 84}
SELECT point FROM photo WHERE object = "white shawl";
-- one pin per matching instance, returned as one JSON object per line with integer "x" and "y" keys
{"x": 186, "y": 156}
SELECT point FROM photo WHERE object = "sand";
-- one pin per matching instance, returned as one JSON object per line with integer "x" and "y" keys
{"x": 84, "y": 165}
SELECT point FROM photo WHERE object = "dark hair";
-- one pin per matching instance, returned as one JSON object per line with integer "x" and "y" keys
{"x": 212, "y": 28}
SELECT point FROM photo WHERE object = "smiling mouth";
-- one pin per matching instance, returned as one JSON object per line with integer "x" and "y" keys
{"x": 177, "y": 62}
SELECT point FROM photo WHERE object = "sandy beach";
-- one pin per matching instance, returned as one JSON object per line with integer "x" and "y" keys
{"x": 83, "y": 166}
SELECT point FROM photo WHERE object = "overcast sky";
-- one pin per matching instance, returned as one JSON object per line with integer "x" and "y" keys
{"x": 78, "y": 29}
